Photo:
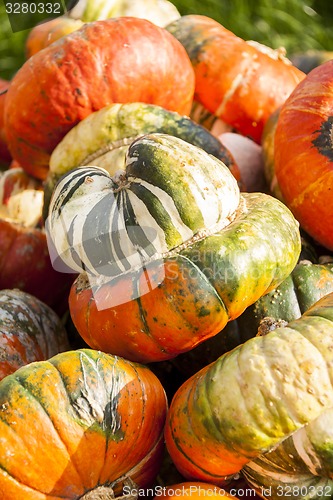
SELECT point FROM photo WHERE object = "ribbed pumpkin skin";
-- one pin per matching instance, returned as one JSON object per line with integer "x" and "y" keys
{"x": 117, "y": 60}
{"x": 247, "y": 402}
{"x": 29, "y": 331}
{"x": 235, "y": 80}
{"x": 175, "y": 303}
{"x": 77, "y": 421}
{"x": 168, "y": 192}
{"x": 304, "y": 153}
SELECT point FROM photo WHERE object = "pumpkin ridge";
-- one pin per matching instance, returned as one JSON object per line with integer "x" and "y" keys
{"x": 26, "y": 487}
{"x": 33, "y": 396}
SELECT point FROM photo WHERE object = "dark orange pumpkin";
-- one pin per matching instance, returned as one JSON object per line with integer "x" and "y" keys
{"x": 117, "y": 60}
{"x": 240, "y": 82}
{"x": 304, "y": 153}
{"x": 75, "y": 426}
{"x": 29, "y": 331}
{"x": 5, "y": 156}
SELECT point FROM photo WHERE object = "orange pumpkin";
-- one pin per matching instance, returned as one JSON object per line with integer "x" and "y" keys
{"x": 240, "y": 82}
{"x": 77, "y": 425}
{"x": 303, "y": 154}
{"x": 124, "y": 59}
{"x": 5, "y": 156}
{"x": 44, "y": 34}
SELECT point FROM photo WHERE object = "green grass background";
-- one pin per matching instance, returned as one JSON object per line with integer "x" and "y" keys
{"x": 297, "y": 25}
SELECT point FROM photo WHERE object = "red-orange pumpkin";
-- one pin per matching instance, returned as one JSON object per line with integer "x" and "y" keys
{"x": 24, "y": 258}
{"x": 304, "y": 153}
{"x": 5, "y": 156}
{"x": 44, "y": 34}
{"x": 124, "y": 59}
{"x": 240, "y": 82}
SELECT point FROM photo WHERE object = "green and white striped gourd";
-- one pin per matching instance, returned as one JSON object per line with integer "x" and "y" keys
{"x": 102, "y": 139}
{"x": 168, "y": 193}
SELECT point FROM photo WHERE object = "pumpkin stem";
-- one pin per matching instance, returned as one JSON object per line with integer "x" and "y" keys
{"x": 269, "y": 324}
{"x": 106, "y": 492}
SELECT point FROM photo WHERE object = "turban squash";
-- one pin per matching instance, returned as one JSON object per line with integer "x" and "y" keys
{"x": 124, "y": 59}
{"x": 264, "y": 408}
{"x": 170, "y": 248}
{"x": 103, "y": 138}
{"x": 78, "y": 422}
{"x": 240, "y": 82}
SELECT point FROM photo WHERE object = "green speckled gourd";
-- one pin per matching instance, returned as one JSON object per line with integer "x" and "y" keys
{"x": 306, "y": 284}
{"x": 264, "y": 408}
{"x": 171, "y": 249}
{"x": 102, "y": 139}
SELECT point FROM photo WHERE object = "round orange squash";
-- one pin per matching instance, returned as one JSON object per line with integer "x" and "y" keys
{"x": 303, "y": 154}
{"x": 240, "y": 82}
{"x": 124, "y": 59}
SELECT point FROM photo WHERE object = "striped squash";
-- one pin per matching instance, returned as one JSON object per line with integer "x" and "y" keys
{"x": 264, "y": 408}
{"x": 169, "y": 192}
{"x": 172, "y": 304}
{"x": 103, "y": 138}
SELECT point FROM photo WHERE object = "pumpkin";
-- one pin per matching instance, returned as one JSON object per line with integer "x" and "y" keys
{"x": 24, "y": 257}
{"x": 29, "y": 331}
{"x": 306, "y": 284}
{"x": 5, "y": 156}
{"x": 303, "y": 153}
{"x": 171, "y": 249}
{"x": 120, "y": 60}
{"x": 44, "y": 34}
{"x": 159, "y": 12}
{"x": 241, "y": 82}
{"x": 194, "y": 489}
{"x": 78, "y": 425}
{"x": 264, "y": 408}
{"x": 103, "y": 138}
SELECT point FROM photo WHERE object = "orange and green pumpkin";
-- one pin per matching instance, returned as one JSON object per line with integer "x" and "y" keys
{"x": 170, "y": 248}
{"x": 264, "y": 408}
{"x": 79, "y": 425}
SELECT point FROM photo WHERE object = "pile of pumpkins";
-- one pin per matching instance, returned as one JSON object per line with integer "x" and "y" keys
{"x": 166, "y": 283}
